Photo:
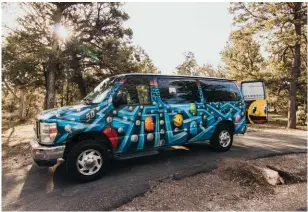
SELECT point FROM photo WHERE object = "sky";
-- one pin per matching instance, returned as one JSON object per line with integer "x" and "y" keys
{"x": 167, "y": 30}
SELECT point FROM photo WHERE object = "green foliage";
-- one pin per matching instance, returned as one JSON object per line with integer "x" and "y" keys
{"x": 144, "y": 62}
{"x": 98, "y": 46}
{"x": 99, "y": 37}
{"x": 301, "y": 116}
{"x": 242, "y": 57}
{"x": 190, "y": 67}
{"x": 283, "y": 26}
{"x": 23, "y": 61}
{"x": 209, "y": 71}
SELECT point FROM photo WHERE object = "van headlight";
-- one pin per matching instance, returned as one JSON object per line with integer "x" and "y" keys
{"x": 48, "y": 133}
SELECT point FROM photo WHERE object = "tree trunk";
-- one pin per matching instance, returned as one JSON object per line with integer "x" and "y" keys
{"x": 305, "y": 106}
{"x": 45, "y": 84}
{"x": 67, "y": 92}
{"x": 292, "y": 100}
{"x": 81, "y": 84}
{"x": 10, "y": 89}
{"x": 22, "y": 105}
{"x": 52, "y": 67}
{"x": 62, "y": 94}
{"x": 28, "y": 110}
{"x": 78, "y": 75}
{"x": 295, "y": 71}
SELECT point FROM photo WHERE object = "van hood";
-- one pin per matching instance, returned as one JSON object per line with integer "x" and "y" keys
{"x": 70, "y": 113}
{"x": 76, "y": 119}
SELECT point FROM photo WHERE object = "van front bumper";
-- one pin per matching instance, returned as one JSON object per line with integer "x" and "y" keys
{"x": 46, "y": 155}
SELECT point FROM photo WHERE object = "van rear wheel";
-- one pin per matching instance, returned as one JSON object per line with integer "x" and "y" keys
{"x": 87, "y": 160}
{"x": 222, "y": 138}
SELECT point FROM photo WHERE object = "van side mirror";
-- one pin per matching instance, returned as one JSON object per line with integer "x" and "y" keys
{"x": 120, "y": 98}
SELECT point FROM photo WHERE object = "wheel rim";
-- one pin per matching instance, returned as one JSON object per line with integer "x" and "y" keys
{"x": 89, "y": 162}
{"x": 224, "y": 138}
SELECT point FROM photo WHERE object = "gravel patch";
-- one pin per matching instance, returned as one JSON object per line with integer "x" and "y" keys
{"x": 234, "y": 185}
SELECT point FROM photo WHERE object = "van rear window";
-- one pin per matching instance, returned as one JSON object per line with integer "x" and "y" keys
{"x": 178, "y": 91}
{"x": 217, "y": 91}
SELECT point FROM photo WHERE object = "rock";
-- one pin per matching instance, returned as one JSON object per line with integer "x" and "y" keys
{"x": 272, "y": 177}
{"x": 249, "y": 174}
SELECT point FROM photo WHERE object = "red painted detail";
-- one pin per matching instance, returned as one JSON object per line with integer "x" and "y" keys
{"x": 112, "y": 135}
{"x": 260, "y": 121}
{"x": 153, "y": 83}
{"x": 122, "y": 81}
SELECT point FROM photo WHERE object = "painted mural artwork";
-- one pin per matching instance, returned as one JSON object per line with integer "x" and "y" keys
{"x": 255, "y": 99}
{"x": 140, "y": 127}
{"x": 257, "y": 111}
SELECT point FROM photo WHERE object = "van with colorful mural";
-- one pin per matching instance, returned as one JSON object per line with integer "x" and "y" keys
{"x": 134, "y": 115}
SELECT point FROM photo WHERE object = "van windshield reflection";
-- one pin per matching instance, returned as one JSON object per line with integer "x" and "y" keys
{"x": 101, "y": 91}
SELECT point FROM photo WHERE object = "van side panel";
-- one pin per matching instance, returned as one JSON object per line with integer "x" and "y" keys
{"x": 198, "y": 125}
{"x": 228, "y": 110}
{"x": 141, "y": 127}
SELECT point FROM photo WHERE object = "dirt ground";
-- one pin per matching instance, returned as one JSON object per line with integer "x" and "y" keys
{"x": 276, "y": 122}
{"x": 16, "y": 147}
{"x": 227, "y": 188}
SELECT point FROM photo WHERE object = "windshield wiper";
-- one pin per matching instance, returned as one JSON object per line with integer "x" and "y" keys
{"x": 87, "y": 101}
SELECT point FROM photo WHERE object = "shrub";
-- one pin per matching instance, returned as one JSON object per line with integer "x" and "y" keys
{"x": 301, "y": 116}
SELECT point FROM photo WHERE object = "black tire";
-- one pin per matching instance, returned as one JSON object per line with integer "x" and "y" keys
{"x": 215, "y": 140}
{"x": 99, "y": 148}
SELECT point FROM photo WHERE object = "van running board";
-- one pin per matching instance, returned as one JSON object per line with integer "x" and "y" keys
{"x": 124, "y": 156}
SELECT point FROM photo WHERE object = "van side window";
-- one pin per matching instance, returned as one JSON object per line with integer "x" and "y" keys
{"x": 178, "y": 91}
{"x": 217, "y": 91}
{"x": 137, "y": 90}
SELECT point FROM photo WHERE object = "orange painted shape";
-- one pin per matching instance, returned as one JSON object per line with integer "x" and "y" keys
{"x": 149, "y": 123}
{"x": 178, "y": 120}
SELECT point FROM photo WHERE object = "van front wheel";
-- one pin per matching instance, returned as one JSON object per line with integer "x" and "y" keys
{"x": 222, "y": 138}
{"x": 87, "y": 160}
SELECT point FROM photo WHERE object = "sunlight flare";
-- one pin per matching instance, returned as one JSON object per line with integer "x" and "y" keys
{"x": 63, "y": 32}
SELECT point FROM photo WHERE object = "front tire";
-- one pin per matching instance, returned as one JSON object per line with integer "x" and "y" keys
{"x": 222, "y": 138}
{"x": 87, "y": 160}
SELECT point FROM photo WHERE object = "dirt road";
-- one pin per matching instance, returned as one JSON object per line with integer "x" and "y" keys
{"x": 28, "y": 187}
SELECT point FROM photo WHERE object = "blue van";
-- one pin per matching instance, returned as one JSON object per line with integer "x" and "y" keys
{"x": 132, "y": 115}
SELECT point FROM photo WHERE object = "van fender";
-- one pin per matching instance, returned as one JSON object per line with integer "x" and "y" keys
{"x": 229, "y": 123}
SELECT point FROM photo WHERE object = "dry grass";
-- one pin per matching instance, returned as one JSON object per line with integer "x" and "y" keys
{"x": 276, "y": 121}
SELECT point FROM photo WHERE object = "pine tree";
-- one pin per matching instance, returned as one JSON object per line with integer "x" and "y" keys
{"x": 282, "y": 24}
{"x": 242, "y": 57}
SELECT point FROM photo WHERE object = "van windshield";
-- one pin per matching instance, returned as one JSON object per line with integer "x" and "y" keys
{"x": 101, "y": 91}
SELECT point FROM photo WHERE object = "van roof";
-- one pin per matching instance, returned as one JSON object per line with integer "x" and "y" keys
{"x": 175, "y": 75}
